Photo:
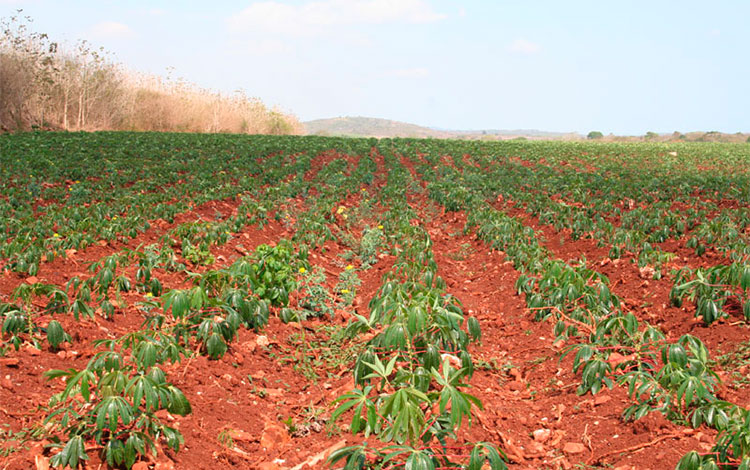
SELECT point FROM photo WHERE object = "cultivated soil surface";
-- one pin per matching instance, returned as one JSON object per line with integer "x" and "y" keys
{"x": 262, "y": 395}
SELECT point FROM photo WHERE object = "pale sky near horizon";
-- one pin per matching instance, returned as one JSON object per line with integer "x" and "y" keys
{"x": 624, "y": 67}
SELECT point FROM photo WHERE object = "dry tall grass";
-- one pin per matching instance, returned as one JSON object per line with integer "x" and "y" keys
{"x": 42, "y": 86}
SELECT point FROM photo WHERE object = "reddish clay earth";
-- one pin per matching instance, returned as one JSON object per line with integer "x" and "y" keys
{"x": 531, "y": 409}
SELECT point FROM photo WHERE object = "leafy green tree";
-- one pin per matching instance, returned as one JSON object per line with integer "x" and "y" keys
{"x": 595, "y": 135}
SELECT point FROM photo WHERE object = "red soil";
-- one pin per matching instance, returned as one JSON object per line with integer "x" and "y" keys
{"x": 531, "y": 408}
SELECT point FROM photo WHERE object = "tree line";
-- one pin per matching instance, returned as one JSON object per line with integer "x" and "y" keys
{"x": 46, "y": 86}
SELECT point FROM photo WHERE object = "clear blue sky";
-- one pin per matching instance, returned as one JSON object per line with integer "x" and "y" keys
{"x": 625, "y": 67}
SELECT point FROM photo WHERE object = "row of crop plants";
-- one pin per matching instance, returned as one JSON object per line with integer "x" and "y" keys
{"x": 411, "y": 375}
{"x": 114, "y": 400}
{"x": 674, "y": 378}
{"x": 715, "y": 290}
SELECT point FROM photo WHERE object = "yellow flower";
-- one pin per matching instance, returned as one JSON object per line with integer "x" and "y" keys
{"x": 349, "y": 267}
{"x": 363, "y": 190}
{"x": 380, "y": 227}
{"x": 302, "y": 270}
{"x": 340, "y": 210}
{"x": 56, "y": 235}
{"x": 344, "y": 291}
{"x": 149, "y": 294}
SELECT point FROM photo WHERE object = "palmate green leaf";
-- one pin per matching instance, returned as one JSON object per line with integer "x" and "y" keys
{"x": 145, "y": 354}
{"x": 360, "y": 401}
{"x": 355, "y": 456}
{"x": 173, "y": 437}
{"x": 216, "y": 347}
{"x": 485, "y": 452}
{"x": 142, "y": 388}
{"x": 690, "y": 461}
{"x": 134, "y": 446}
{"x": 72, "y": 454}
{"x": 108, "y": 309}
{"x": 106, "y": 361}
{"x": 177, "y": 404}
{"x": 379, "y": 369}
{"x": 110, "y": 411}
{"x": 431, "y": 357}
{"x": 419, "y": 460}
{"x": 82, "y": 379}
{"x": 460, "y": 402}
{"x": 745, "y": 278}
{"x": 114, "y": 452}
{"x": 178, "y": 301}
{"x": 421, "y": 379}
{"x": 80, "y": 308}
{"x": 112, "y": 383}
{"x": 56, "y": 335}
{"x": 474, "y": 329}
{"x": 405, "y": 415}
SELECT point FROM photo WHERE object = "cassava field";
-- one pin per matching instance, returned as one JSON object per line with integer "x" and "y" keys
{"x": 232, "y": 302}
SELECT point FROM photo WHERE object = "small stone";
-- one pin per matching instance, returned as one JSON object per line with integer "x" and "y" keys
{"x": 646, "y": 272}
{"x": 33, "y": 351}
{"x": 542, "y": 435}
{"x": 515, "y": 453}
{"x": 9, "y": 361}
{"x": 42, "y": 463}
{"x": 61, "y": 354}
{"x": 164, "y": 415}
{"x": 273, "y": 437}
{"x": 573, "y": 448}
{"x": 601, "y": 399}
{"x": 515, "y": 386}
{"x": 262, "y": 341}
{"x": 140, "y": 466}
{"x": 164, "y": 465}
{"x": 269, "y": 466}
{"x": 32, "y": 280}
{"x": 534, "y": 450}
{"x": 6, "y": 383}
{"x": 242, "y": 436}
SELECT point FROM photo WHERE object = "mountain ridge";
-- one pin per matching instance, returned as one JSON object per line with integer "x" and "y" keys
{"x": 361, "y": 126}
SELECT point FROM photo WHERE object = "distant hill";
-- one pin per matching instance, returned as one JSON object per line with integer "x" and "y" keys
{"x": 374, "y": 127}
{"x": 368, "y": 127}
